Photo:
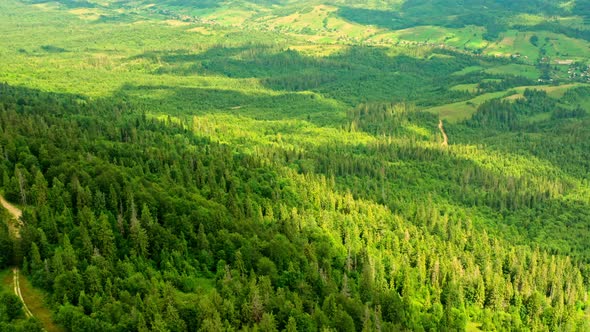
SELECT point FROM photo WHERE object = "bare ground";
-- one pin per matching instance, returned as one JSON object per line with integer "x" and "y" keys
{"x": 442, "y": 131}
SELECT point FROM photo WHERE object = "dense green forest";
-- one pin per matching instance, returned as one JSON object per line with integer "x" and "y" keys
{"x": 138, "y": 215}
{"x": 179, "y": 172}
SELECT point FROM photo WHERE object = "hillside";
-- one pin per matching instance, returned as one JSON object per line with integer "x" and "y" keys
{"x": 298, "y": 165}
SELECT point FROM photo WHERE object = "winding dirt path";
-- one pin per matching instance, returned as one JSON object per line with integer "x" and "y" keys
{"x": 16, "y": 214}
{"x": 15, "y": 229}
{"x": 442, "y": 131}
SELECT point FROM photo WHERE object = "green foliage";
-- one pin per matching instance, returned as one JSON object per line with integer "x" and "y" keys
{"x": 181, "y": 181}
{"x": 308, "y": 245}
{"x": 11, "y": 307}
{"x": 6, "y": 244}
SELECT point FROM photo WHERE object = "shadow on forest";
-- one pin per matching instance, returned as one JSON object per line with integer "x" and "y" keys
{"x": 201, "y": 4}
{"x": 427, "y": 169}
{"x": 524, "y": 214}
{"x": 70, "y": 4}
{"x": 355, "y": 75}
{"x": 263, "y": 106}
{"x": 553, "y": 141}
{"x": 447, "y": 13}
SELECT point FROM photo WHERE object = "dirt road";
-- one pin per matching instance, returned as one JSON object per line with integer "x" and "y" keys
{"x": 16, "y": 214}
{"x": 442, "y": 131}
{"x": 13, "y": 227}
{"x": 15, "y": 273}
{"x": 14, "y": 211}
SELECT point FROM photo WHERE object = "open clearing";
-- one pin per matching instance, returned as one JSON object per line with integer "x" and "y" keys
{"x": 463, "y": 110}
{"x": 465, "y": 87}
{"x": 516, "y": 70}
{"x": 554, "y": 91}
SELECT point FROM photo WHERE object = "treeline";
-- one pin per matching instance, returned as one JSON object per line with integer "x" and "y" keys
{"x": 557, "y": 28}
{"x": 352, "y": 76}
{"x": 503, "y": 84}
{"x": 509, "y": 115}
{"x": 554, "y": 130}
{"x": 389, "y": 119}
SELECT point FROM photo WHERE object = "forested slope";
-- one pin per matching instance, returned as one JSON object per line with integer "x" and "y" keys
{"x": 278, "y": 165}
{"x": 128, "y": 214}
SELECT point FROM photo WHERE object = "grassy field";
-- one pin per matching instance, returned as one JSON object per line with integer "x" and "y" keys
{"x": 315, "y": 22}
{"x": 35, "y": 300}
{"x": 514, "y": 42}
{"x": 7, "y": 281}
{"x": 516, "y": 70}
{"x": 468, "y": 70}
{"x": 554, "y": 45}
{"x": 555, "y": 91}
{"x": 469, "y": 87}
{"x": 463, "y": 110}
